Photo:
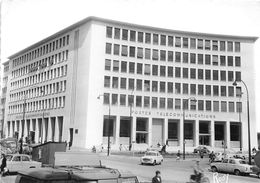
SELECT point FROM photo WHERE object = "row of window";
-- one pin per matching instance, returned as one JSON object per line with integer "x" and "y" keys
{"x": 177, "y": 72}
{"x": 40, "y": 91}
{"x": 51, "y": 103}
{"x": 169, "y": 40}
{"x": 171, "y": 103}
{"x": 45, "y": 49}
{"x": 171, "y": 56}
{"x": 177, "y": 88}
{"x": 41, "y": 64}
{"x": 53, "y": 73}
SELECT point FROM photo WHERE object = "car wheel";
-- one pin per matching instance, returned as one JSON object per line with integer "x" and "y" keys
{"x": 32, "y": 167}
{"x": 258, "y": 175}
{"x": 142, "y": 163}
{"x": 237, "y": 172}
{"x": 154, "y": 163}
{"x": 214, "y": 169}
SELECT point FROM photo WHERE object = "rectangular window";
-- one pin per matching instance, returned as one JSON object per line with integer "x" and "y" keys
{"x": 223, "y": 60}
{"x": 200, "y": 89}
{"x": 237, "y": 61}
{"x": 192, "y": 43}
{"x": 237, "y": 46}
{"x": 162, "y": 87}
{"x": 200, "y": 43}
{"x": 106, "y": 98}
{"x": 155, "y": 86}
{"x": 107, "y": 65}
{"x": 185, "y": 57}
{"x": 140, "y": 52}
{"x": 123, "y": 66}
{"x": 170, "y": 56}
{"x": 231, "y": 107}
{"x": 223, "y": 91}
{"x": 147, "y": 38}
{"x": 115, "y": 82}
{"x": 177, "y": 103}
{"x": 230, "y": 61}
{"x": 193, "y": 73}
{"x": 177, "y": 56}
{"x": 200, "y": 105}
{"x": 222, "y": 46}
{"x": 230, "y": 76}
{"x": 208, "y": 74}
{"x": 223, "y": 75}
{"x": 155, "y": 70}
{"x": 162, "y": 103}
{"x": 116, "y": 49}
{"x": 109, "y": 32}
{"x": 216, "y": 106}
{"x": 132, "y": 51}
{"x": 125, "y": 34}
{"x": 231, "y": 91}
{"x": 170, "y": 71}
{"x": 192, "y": 58}
{"x": 207, "y": 44}
{"x": 108, "y": 48}
{"x": 177, "y": 41}
{"x": 215, "y": 60}
{"x": 185, "y": 88}
{"x": 147, "y": 69}
{"x": 215, "y": 45}
{"x": 154, "y": 102}
{"x": 115, "y": 65}
{"x": 122, "y": 100}
{"x": 185, "y": 72}
{"x": 139, "y": 84}
{"x": 132, "y": 35}
{"x": 117, "y": 33}
{"x": 146, "y": 85}
{"x": 146, "y": 102}
{"x": 169, "y": 103}
{"x": 131, "y": 67}
{"x": 170, "y": 40}
{"x": 162, "y": 55}
{"x": 208, "y": 105}
{"x": 123, "y": 83}
{"x": 163, "y": 40}
{"x": 238, "y": 91}
{"x": 177, "y": 88}
{"x": 170, "y": 87}
{"x": 155, "y": 39}
{"x": 223, "y": 106}
{"x": 185, "y": 104}
{"x": 177, "y": 72}
{"x": 138, "y": 101}
{"x": 162, "y": 70}
{"x": 193, "y": 89}
{"x": 155, "y": 54}
{"x": 139, "y": 68}
{"x": 107, "y": 82}
{"x": 230, "y": 46}
{"x": 200, "y": 74}
{"x": 200, "y": 58}
{"x": 140, "y": 37}
{"x": 208, "y": 90}
{"x": 147, "y": 53}
{"x": 130, "y": 100}
{"x": 215, "y": 75}
{"x": 131, "y": 84}
{"x": 207, "y": 60}
{"x": 215, "y": 90}
{"x": 185, "y": 42}
{"x": 239, "y": 106}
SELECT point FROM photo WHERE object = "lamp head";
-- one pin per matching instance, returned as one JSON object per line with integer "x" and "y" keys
{"x": 235, "y": 83}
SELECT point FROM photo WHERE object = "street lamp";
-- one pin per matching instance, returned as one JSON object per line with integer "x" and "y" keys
{"x": 183, "y": 107}
{"x": 130, "y": 135}
{"x": 248, "y": 119}
{"x": 108, "y": 129}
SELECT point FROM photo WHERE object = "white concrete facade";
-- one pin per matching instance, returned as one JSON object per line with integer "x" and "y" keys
{"x": 78, "y": 110}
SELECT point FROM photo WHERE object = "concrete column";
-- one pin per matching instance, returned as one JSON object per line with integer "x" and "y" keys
{"x": 37, "y": 132}
{"x": 227, "y": 134}
{"x": 181, "y": 135}
{"x": 49, "y": 137}
{"x": 212, "y": 133}
{"x": 165, "y": 130}
{"x": 117, "y": 130}
{"x": 11, "y": 129}
{"x": 133, "y": 132}
{"x": 196, "y": 133}
{"x": 150, "y": 131}
{"x": 56, "y": 136}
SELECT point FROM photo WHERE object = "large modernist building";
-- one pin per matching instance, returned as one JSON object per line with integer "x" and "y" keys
{"x": 134, "y": 83}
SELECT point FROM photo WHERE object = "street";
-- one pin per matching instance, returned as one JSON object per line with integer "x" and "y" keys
{"x": 172, "y": 171}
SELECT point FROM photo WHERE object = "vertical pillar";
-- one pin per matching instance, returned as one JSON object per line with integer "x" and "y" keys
{"x": 133, "y": 132}
{"x": 212, "y": 133}
{"x": 196, "y": 133}
{"x": 181, "y": 135}
{"x": 165, "y": 130}
{"x": 37, "y": 132}
{"x": 117, "y": 130}
{"x": 49, "y": 136}
{"x": 227, "y": 134}
{"x": 56, "y": 137}
{"x": 11, "y": 129}
{"x": 150, "y": 131}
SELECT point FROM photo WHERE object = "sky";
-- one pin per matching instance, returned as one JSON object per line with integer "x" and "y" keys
{"x": 25, "y": 22}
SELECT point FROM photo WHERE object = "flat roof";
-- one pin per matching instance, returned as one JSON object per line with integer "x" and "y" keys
{"x": 90, "y": 18}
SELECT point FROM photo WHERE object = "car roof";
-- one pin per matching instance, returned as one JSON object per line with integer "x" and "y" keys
{"x": 86, "y": 173}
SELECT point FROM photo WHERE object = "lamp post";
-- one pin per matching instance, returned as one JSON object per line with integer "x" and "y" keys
{"x": 130, "y": 135}
{"x": 184, "y": 104}
{"x": 248, "y": 119}
{"x": 108, "y": 129}
{"x": 42, "y": 92}
{"x": 240, "y": 129}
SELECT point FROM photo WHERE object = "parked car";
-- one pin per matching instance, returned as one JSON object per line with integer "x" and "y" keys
{"x": 232, "y": 165}
{"x": 203, "y": 149}
{"x": 256, "y": 170}
{"x": 74, "y": 175}
{"x": 17, "y": 162}
{"x": 152, "y": 157}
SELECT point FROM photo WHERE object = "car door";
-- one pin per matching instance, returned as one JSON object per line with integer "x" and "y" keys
{"x": 26, "y": 163}
{"x": 15, "y": 164}
{"x": 223, "y": 165}
{"x": 231, "y": 165}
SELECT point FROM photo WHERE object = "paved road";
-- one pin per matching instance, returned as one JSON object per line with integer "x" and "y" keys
{"x": 172, "y": 171}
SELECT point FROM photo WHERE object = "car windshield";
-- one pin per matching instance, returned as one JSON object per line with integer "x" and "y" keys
{"x": 150, "y": 154}
{"x": 242, "y": 162}
{"x": 8, "y": 157}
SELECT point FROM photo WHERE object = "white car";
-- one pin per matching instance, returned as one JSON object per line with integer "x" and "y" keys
{"x": 17, "y": 162}
{"x": 232, "y": 165}
{"x": 152, "y": 157}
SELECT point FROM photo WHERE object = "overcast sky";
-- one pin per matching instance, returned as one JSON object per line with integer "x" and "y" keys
{"x": 25, "y": 22}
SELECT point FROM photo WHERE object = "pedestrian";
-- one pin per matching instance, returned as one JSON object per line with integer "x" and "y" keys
{"x": 120, "y": 147}
{"x": 21, "y": 145}
{"x": 157, "y": 178}
{"x": 201, "y": 154}
{"x": 3, "y": 164}
{"x": 178, "y": 156}
{"x": 130, "y": 147}
{"x": 254, "y": 150}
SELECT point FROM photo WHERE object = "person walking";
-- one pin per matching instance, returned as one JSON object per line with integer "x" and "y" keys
{"x": 178, "y": 156}
{"x": 157, "y": 178}
{"x": 3, "y": 164}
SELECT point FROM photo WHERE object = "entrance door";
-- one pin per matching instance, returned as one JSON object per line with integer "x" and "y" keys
{"x": 204, "y": 140}
{"x": 157, "y": 133}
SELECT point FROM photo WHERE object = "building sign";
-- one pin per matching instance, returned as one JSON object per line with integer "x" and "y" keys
{"x": 36, "y": 115}
{"x": 174, "y": 114}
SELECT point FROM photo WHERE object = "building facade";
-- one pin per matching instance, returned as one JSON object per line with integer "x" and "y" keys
{"x": 155, "y": 86}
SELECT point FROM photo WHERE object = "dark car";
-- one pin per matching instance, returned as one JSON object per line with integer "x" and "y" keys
{"x": 75, "y": 174}
{"x": 202, "y": 149}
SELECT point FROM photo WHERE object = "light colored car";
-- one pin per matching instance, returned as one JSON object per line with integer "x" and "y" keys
{"x": 232, "y": 165}
{"x": 17, "y": 162}
{"x": 152, "y": 157}
{"x": 203, "y": 149}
